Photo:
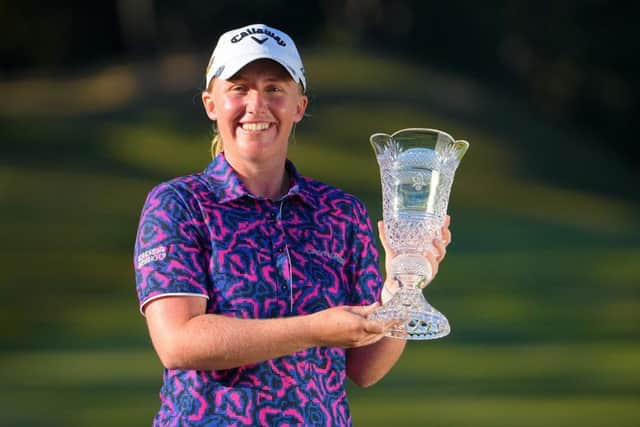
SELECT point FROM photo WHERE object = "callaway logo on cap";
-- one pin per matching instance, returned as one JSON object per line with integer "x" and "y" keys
{"x": 237, "y": 48}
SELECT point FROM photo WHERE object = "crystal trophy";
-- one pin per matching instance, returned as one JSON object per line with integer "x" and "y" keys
{"x": 417, "y": 167}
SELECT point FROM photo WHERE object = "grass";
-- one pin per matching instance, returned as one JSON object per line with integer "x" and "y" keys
{"x": 540, "y": 283}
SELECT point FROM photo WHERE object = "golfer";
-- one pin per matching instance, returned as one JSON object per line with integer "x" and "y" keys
{"x": 254, "y": 280}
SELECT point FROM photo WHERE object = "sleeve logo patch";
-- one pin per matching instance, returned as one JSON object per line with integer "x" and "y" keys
{"x": 155, "y": 254}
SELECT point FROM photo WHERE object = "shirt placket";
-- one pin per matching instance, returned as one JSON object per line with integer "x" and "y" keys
{"x": 281, "y": 256}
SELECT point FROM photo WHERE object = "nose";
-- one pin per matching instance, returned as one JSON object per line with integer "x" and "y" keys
{"x": 256, "y": 102}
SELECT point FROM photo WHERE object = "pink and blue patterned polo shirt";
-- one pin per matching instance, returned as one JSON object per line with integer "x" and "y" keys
{"x": 250, "y": 257}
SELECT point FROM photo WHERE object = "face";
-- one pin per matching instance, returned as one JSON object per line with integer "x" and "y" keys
{"x": 255, "y": 111}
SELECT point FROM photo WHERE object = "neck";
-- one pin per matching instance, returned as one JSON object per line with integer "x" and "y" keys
{"x": 262, "y": 181}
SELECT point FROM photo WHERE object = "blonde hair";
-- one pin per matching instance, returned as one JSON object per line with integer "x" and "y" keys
{"x": 216, "y": 145}
{"x": 216, "y": 141}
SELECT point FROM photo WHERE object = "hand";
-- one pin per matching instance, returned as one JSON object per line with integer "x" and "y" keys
{"x": 438, "y": 249}
{"x": 389, "y": 253}
{"x": 347, "y": 326}
{"x": 434, "y": 255}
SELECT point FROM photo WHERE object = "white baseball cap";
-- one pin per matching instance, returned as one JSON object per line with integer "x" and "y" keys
{"x": 239, "y": 47}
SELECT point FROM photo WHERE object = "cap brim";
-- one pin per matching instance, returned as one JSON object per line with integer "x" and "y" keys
{"x": 233, "y": 67}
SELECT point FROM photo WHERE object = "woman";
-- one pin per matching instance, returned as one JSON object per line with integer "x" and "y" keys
{"x": 256, "y": 282}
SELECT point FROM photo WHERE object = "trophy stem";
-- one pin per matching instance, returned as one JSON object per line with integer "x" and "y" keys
{"x": 416, "y": 318}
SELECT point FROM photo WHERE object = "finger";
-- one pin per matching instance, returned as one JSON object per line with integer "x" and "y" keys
{"x": 389, "y": 289}
{"x": 392, "y": 324}
{"x": 374, "y": 327}
{"x": 441, "y": 249}
{"x": 444, "y": 230}
{"x": 383, "y": 237}
{"x": 386, "y": 294}
{"x": 365, "y": 310}
{"x": 373, "y": 336}
{"x": 446, "y": 236}
{"x": 434, "y": 264}
{"x": 371, "y": 339}
{"x": 392, "y": 285}
{"x": 396, "y": 324}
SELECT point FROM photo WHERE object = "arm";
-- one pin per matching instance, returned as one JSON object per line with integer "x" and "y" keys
{"x": 187, "y": 338}
{"x": 183, "y": 335}
{"x": 368, "y": 364}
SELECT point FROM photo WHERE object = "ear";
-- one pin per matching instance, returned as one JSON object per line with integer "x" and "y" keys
{"x": 303, "y": 101}
{"x": 209, "y": 105}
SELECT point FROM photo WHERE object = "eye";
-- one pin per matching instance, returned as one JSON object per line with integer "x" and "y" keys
{"x": 238, "y": 88}
{"x": 274, "y": 89}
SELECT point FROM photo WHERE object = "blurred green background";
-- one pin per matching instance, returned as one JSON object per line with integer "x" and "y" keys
{"x": 541, "y": 280}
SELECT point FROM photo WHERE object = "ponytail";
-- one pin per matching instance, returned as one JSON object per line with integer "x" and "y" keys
{"x": 216, "y": 145}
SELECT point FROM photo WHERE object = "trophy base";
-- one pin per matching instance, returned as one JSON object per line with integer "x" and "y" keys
{"x": 415, "y": 318}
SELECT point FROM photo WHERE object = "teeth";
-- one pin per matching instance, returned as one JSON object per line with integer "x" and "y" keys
{"x": 255, "y": 126}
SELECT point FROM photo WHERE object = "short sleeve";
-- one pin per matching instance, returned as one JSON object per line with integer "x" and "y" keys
{"x": 170, "y": 251}
{"x": 367, "y": 280}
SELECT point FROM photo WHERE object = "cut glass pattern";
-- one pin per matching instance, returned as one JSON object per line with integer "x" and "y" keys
{"x": 417, "y": 168}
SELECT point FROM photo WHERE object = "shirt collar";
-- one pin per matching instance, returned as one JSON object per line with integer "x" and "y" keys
{"x": 300, "y": 186}
{"x": 228, "y": 186}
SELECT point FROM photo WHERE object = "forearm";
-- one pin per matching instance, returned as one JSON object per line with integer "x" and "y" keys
{"x": 185, "y": 337}
{"x": 367, "y": 365}
{"x": 212, "y": 342}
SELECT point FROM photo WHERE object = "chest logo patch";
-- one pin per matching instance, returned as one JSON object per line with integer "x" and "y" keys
{"x": 326, "y": 254}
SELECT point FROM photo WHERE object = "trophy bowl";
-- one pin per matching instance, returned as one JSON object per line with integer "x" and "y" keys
{"x": 417, "y": 167}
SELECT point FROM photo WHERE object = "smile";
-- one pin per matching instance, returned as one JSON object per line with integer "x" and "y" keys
{"x": 255, "y": 126}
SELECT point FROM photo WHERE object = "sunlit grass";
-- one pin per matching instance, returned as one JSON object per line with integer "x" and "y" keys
{"x": 496, "y": 411}
{"x": 540, "y": 283}
{"x": 162, "y": 149}
{"x": 491, "y": 385}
